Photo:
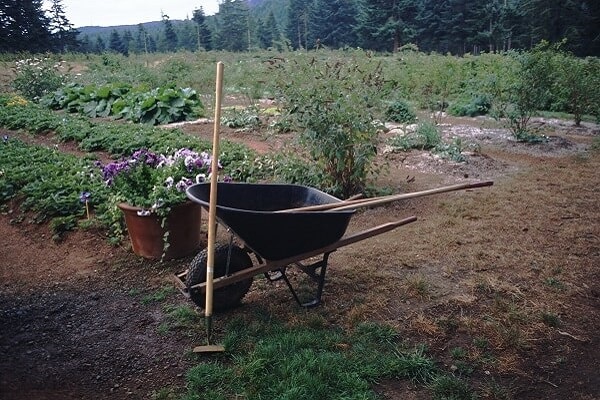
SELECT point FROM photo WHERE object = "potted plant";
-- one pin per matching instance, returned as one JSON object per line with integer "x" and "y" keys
{"x": 149, "y": 189}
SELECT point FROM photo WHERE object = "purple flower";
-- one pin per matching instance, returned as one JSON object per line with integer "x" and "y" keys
{"x": 146, "y": 156}
{"x": 84, "y": 197}
{"x": 110, "y": 170}
{"x": 183, "y": 184}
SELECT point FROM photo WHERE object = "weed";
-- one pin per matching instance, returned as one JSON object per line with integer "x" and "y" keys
{"x": 554, "y": 282}
{"x": 595, "y": 144}
{"x": 418, "y": 286}
{"x": 163, "y": 328}
{"x": 481, "y": 343}
{"x": 447, "y": 387}
{"x": 163, "y": 394}
{"x": 159, "y": 295}
{"x": 458, "y": 353}
{"x": 182, "y": 316}
{"x": 551, "y": 319}
{"x": 247, "y": 117}
{"x": 425, "y": 137}
{"x": 493, "y": 390}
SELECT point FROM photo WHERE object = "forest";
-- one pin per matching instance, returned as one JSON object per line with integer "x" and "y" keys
{"x": 443, "y": 26}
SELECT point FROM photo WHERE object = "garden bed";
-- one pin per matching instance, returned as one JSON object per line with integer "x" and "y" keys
{"x": 501, "y": 285}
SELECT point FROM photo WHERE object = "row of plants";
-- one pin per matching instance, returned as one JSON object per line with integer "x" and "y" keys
{"x": 462, "y": 85}
{"x": 153, "y": 168}
{"x": 158, "y": 106}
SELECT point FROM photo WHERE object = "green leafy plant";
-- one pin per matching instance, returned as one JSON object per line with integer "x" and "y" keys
{"x": 47, "y": 182}
{"x": 334, "y": 104}
{"x": 478, "y": 104}
{"x": 400, "y": 111}
{"x": 162, "y": 105}
{"x": 247, "y": 117}
{"x": 36, "y": 77}
{"x": 426, "y": 137}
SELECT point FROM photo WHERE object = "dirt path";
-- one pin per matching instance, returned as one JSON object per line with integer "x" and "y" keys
{"x": 509, "y": 274}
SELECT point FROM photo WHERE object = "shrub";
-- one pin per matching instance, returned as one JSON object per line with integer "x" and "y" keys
{"x": 479, "y": 104}
{"x": 400, "y": 111}
{"x": 36, "y": 77}
{"x": 334, "y": 115}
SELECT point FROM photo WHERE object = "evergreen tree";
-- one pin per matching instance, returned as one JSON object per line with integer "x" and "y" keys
{"x": 24, "y": 26}
{"x": 116, "y": 43}
{"x": 186, "y": 35}
{"x": 333, "y": 22}
{"x": 100, "y": 46}
{"x": 297, "y": 28}
{"x": 64, "y": 36}
{"x": 127, "y": 39}
{"x": 554, "y": 20}
{"x": 152, "y": 46}
{"x": 268, "y": 32}
{"x": 85, "y": 45}
{"x": 203, "y": 33}
{"x": 591, "y": 46}
{"x": 233, "y": 26}
{"x": 386, "y": 25}
{"x": 141, "y": 40}
{"x": 170, "y": 40}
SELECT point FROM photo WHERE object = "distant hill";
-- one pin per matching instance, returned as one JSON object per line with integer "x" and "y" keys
{"x": 106, "y": 30}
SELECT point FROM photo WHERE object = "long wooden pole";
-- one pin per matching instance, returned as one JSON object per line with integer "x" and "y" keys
{"x": 212, "y": 218}
{"x": 351, "y": 204}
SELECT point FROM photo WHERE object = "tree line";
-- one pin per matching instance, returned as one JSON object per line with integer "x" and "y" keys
{"x": 443, "y": 26}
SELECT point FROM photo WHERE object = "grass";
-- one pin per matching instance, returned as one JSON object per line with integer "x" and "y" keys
{"x": 159, "y": 295}
{"x": 417, "y": 285}
{"x": 297, "y": 362}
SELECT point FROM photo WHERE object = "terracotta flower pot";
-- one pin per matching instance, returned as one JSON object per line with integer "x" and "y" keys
{"x": 147, "y": 236}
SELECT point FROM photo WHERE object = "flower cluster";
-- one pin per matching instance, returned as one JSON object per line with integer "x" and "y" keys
{"x": 152, "y": 181}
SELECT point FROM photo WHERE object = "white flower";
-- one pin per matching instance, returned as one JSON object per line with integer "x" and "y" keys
{"x": 200, "y": 178}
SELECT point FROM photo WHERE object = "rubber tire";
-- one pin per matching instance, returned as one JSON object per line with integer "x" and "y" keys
{"x": 226, "y": 297}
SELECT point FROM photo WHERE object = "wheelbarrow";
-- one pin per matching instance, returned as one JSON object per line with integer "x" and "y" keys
{"x": 280, "y": 226}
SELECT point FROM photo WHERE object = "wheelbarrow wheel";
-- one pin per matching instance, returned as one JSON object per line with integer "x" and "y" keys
{"x": 225, "y": 297}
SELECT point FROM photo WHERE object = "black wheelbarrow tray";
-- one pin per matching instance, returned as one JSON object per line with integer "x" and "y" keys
{"x": 254, "y": 214}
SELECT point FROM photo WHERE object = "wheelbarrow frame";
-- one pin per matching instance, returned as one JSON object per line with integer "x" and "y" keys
{"x": 276, "y": 269}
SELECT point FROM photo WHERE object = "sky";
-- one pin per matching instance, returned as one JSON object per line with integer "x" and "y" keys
{"x": 131, "y": 12}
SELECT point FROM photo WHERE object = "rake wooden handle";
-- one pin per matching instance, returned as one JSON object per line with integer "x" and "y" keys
{"x": 375, "y": 201}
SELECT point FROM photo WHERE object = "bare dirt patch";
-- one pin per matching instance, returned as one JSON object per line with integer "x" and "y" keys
{"x": 508, "y": 274}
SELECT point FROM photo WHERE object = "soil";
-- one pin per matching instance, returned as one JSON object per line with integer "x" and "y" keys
{"x": 509, "y": 275}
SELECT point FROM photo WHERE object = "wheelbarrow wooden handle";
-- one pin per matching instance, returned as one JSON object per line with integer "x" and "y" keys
{"x": 375, "y": 201}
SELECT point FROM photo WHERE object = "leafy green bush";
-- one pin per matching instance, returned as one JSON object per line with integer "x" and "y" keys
{"x": 426, "y": 137}
{"x": 334, "y": 115}
{"x": 400, "y": 111}
{"x": 524, "y": 90}
{"x": 576, "y": 85}
{"x": 479, "y": 104}
{"x": 36, "y": 77}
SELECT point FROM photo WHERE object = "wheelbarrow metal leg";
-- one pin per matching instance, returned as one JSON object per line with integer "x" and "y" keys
{"x": 318, "y": 277}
